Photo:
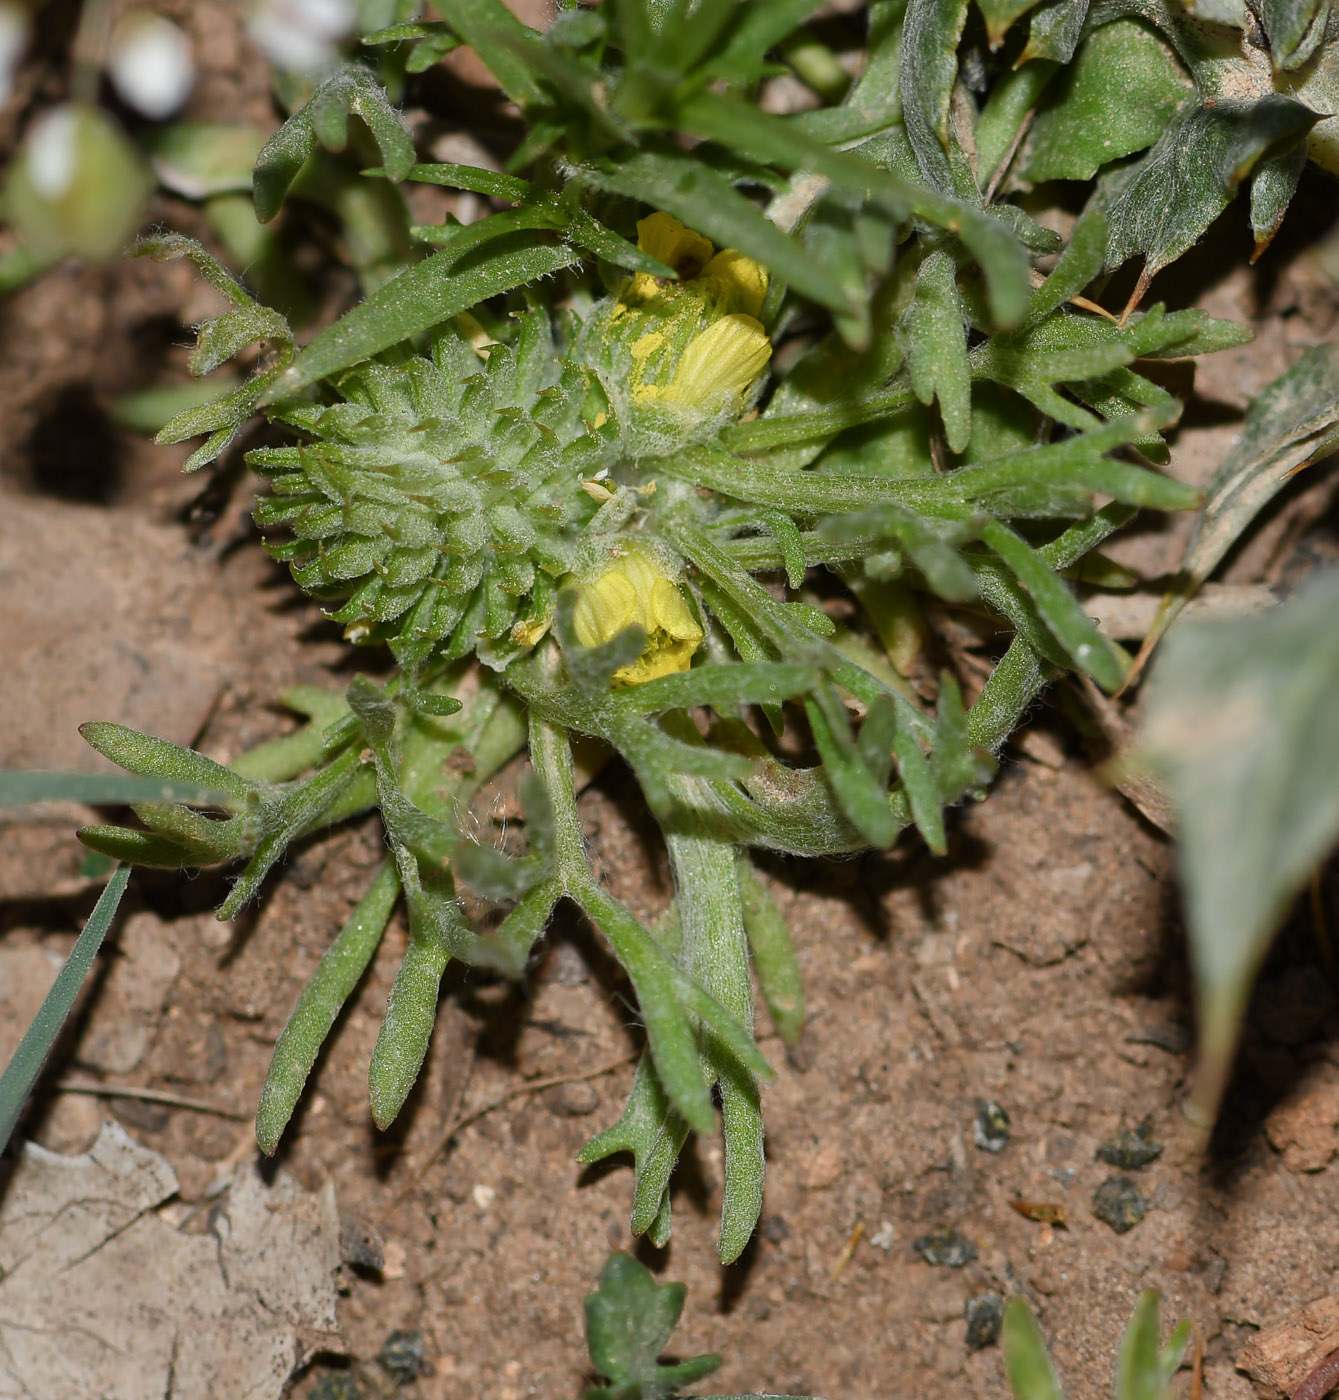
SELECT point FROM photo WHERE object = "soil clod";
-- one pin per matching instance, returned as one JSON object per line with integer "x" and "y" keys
{"x": 985, "y": 1314}
{"x": 990, "y": 1126}
{"x": 1118, "y": 1202}
{"x": 1132, "y": 1149}
{"x": 946, "y": 1248}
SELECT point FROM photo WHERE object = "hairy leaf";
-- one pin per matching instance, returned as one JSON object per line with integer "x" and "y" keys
{"x": 351, "y": 88}
{"x": 1117, "y": 97}
{"x": 1162, "y": 204}
{"x": 1294, "y": 29}
{"x": 492, "y": 256}
{"x": 628, "y": 1324}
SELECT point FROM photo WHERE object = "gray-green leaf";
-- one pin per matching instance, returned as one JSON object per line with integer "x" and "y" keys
{"x": 1116, "y": 98}
{"x": 1243, "y": 729}
{"x": 1162, "y": 204}
{"x": 1291, "y": 421}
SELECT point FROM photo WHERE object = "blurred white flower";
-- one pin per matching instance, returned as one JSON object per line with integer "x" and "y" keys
{"x": 299, "y": 36}
{"x": 77, "y": 185}
{"x": 13, "y": 37}
{"x": 150, "y": 64}
{"x": 51, "y": 148}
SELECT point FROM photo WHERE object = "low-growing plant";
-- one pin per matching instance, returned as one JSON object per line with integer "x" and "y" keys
{"x": 629, "y": 1321}
{"x": 684, "y": 451}
{"x": 1144, "y": 1364}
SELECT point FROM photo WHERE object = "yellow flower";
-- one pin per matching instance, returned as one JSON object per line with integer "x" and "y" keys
{"x": 635, "y": 590}
{"x": 695, "y": 344}
{"x": 728, "y": 279}
{"x": 666, "y": 239}
{"x": 736, "y": 281}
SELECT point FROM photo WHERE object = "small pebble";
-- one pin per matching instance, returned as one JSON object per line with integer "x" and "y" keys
{"x": 1118, "y": 1202}
{"x": 990, "y": 1127}
{"x": 945, "y": 1247}
{"x": 335, "y": 1385}
{"x": 984, "y": 1315}
{"x": 402, "y": 1356}
{"x": 1131, "y": 1150}
{"x": 360, "y": 1244}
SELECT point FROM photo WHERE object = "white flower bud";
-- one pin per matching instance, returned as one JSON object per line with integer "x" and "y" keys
{"x": 299, "y": 36}
{"x": 150, "y": 64}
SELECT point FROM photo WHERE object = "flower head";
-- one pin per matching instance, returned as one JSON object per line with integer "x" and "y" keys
{"x": 695, "y": 343}
{"x": 634, "y": 590}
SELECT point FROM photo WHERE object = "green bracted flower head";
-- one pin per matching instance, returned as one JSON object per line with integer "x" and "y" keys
{"x": 439, "y": 501}
{"x": 679, "y": 359}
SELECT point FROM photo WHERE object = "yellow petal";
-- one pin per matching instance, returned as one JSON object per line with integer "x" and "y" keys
{"x": 671, "y": 613}
{"x": 604, "y": 608}
{"x": 724, "y": 359}
{"x": 739, "y": 283}
{"x": 665, "y": 238}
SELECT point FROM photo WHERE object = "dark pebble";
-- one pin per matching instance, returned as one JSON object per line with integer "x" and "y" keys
{"x": 984, "y": 1315}
{"x": 335, "y": 1385}
{"x": 1118, "y": 1202}
{"x": 360, "y": 1244}
{"x": 402, "y": 1356}
{"x": 990, "y": 1127}
{"x": 945, "y": 1247}
{"x": 1131, "y": 1150}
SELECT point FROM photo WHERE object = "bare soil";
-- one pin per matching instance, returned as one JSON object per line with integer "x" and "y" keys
{"x": 1040, "y": 965}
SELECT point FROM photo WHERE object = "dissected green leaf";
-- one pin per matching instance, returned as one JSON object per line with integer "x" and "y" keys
{"x": 1294, "y": 29}
{"x": 1272, "y": 188}
{"x": 23, "y": 787}
{"x": 324, "y": 118}
{"x": 1243, "y": 729}
{"x": 487, "y": 259}
{"x": 876, "y": 99}
{"x": 1026, "y": 1361}
{"x": 715, "y": 953}
{"x": 707, "y": 202}
{"x": 1144, "y": 1369}
{"x": 1161, "y": 205}
{"x": 999, "y": 15}
{"x": 628, "y": 1324}
{"x": 774, "y": 961}
{"x": 1003, "y": 119}
{"x": 320, "y": 1002}
{"x": 1117, "y": 97}
{"x": 929, "y": 67}
{"x": 1055, "y": 30}
{"x": 934, "y": 336}
{"x": 492, "y": 31}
